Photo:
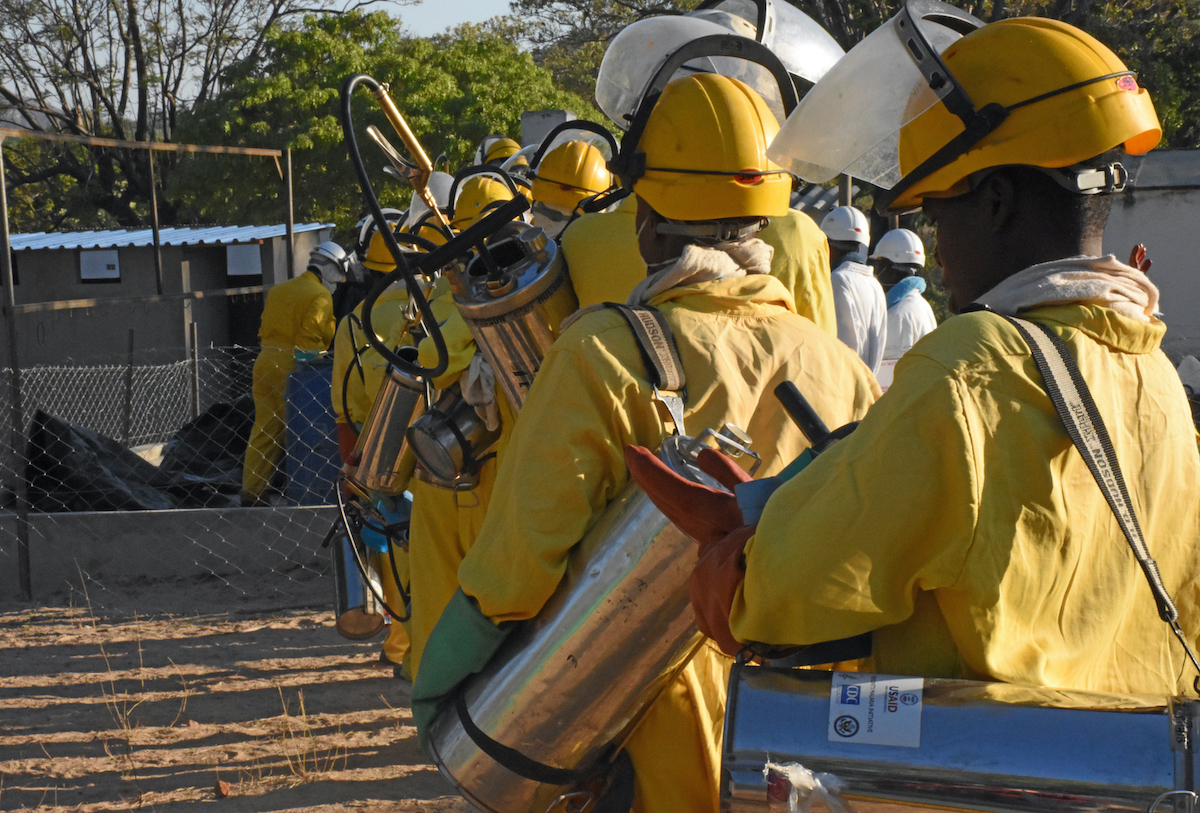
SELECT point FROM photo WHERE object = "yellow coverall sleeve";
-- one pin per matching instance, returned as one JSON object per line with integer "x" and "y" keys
{"x": 460, "y": 343}
{"x": 801, "y": 263}
{"x": 575, "y": 420}
{"x": 344, "y": 353}
{"x": 317, "y": 326}
{"x": 844, "y": 576}
{"x": 602, "y": 255}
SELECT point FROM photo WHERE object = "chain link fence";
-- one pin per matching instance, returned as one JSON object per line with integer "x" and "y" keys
{"x": 132, "y": 474}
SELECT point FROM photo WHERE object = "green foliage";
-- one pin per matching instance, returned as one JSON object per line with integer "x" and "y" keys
{"x": 452, "y": 90}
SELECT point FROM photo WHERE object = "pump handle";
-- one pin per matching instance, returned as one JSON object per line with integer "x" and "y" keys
{"x": 801, "y": 412}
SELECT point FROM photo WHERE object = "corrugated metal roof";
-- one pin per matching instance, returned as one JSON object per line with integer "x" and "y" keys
{"x": 172, "y": 236}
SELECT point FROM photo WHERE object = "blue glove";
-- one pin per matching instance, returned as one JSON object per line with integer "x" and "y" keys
{"x": 461, "y": 644}
{"x": 752, "y": 496}
{"x": 393, "y": 513}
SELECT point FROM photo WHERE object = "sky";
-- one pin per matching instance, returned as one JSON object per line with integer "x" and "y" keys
{"x": 435, "y": 16}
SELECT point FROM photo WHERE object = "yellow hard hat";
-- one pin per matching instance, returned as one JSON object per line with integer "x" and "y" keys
{"x": 431, "y": 233}
{"x": 378, "y": 258}
{"x": 496, "y": 148}
{"x": 705, "y": 148}
{"x": 569, "y": 173}
{"x": 475, "y": 199}
{"x": 524, "y": 186}
{"x": 1067, "y": 97}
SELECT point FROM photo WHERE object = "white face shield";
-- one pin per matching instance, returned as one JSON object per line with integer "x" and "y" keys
{"x": 636, "y": 54}
{"x": 802, "y": 45}
{"x": 439, "y": 186}
{"x": 331, "y": 274}
{"x": 850, "y": 122}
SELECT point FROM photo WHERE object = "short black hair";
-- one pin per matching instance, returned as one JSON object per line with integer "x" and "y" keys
{"x": 1061, "y": 209}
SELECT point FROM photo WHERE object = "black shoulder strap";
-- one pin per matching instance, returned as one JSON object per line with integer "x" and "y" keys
{"x": 656, "y": 343}
{"x": 1073, "y": 400}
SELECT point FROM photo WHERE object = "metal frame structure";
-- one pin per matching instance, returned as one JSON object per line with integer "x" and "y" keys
{"x": 11, "y": 309}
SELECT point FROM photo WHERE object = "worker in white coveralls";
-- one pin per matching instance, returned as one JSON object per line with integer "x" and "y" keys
{"x": 858, "y": 301}
{"x": 898, "y": 259}
{"x": 701, "y": 201}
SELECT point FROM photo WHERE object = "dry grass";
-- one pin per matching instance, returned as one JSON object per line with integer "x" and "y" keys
{"x": 100, "y": 715}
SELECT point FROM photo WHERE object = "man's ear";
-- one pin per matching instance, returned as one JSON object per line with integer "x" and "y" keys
{"x": 999, "y": 198}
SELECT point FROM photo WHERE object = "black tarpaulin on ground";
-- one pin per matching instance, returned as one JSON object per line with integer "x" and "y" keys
{"x": 71, "y": 468}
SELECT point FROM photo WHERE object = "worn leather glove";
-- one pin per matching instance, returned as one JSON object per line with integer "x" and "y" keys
{"x": 462, "y": 643}
{"x": 703, "y": 513}
{"x": 714, "y": 582}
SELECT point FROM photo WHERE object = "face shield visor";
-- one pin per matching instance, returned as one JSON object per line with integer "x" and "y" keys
{"x": 850, "y": 122}
{"x": 636, "y": 54}
{"x": 439, "y": 185}
{"x": 802, "y": 45}
{"x": 518, "y": 162}
{"x": 589, "y": 132}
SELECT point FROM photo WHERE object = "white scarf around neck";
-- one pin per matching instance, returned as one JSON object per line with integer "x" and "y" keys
{"x": 1104, "y": 281}
{"x": 704, "y": 263}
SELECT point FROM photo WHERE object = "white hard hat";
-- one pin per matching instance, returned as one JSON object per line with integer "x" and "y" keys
{"x": 330, "y": 260}
{"x": 847, "y": 225}
{"x": 902, "y": 247}
{"x": 367, "y": 225}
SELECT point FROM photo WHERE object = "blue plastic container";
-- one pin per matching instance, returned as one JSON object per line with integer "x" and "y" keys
{"x": 313, "y": 462}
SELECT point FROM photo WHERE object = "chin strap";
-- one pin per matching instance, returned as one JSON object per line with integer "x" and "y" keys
{"x": 720, "y": 231}
{"x": 1077, "y": 409}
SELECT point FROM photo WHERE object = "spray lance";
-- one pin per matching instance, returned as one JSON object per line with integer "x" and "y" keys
{"x": 752, "y": 496}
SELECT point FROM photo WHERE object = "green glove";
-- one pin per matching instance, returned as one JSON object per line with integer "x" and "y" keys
{"x": 462, "y": 643}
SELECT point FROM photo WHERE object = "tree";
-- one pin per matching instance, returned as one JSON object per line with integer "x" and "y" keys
{"x": 120, "y": 69}
{"x": 568, "y": 37}
{"x": 1160, "y": 39}
{"x": 452, "y": 90}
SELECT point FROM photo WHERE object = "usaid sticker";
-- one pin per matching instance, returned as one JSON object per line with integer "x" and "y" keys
{"x": 875, "y": 709}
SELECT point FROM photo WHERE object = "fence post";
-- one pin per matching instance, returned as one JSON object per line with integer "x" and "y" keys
{"x": 127, "y": 423}
{"x": 195, "y": 369}
{"x": 158, "y": 266}
{"x": 16, "y": 411}
{"x": 291, "y": 219}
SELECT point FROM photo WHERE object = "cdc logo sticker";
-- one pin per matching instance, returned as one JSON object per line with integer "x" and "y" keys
{"x": 886, "y": 709}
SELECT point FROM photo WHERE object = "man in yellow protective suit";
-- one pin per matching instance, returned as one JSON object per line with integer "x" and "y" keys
{"x": 298, "y": 315}
{"x": 738, "y": 337}
{"x": 566, "y": 176}
{"x": 446, "y": 520}
{"x": 959, "y": 523}
{"x": 358, "y": 371}
{"x": 601, "y": 253}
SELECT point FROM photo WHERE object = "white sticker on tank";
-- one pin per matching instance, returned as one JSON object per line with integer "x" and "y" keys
{"x": 875, "y": 709}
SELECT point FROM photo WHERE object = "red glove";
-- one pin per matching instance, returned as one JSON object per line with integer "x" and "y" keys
{"x": 1137, "y": 258}
{"x": 705, "y": 514}
{"x": 713, "y": 583}
{"x": 347, "y": 440}
{"x": 721, "y": 468}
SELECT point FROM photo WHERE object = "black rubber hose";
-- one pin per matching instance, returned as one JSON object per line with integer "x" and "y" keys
{"x": 402, "y": 270}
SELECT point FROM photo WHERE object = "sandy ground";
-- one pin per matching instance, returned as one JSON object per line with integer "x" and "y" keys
{"x": 154, "y": 714}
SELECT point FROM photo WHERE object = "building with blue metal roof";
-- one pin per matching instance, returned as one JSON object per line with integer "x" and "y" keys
{"x": 84, "y": 296}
